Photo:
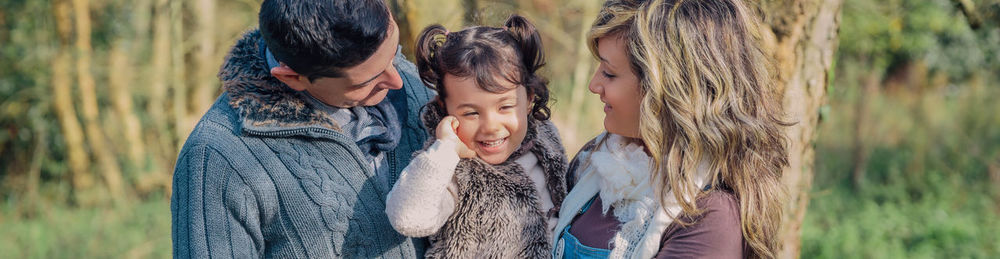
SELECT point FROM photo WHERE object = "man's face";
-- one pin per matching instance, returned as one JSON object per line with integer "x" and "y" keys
{"x": 365, "y": 84}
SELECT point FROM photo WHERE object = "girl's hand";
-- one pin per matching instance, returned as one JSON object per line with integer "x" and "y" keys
{"x": 446, "y": 131}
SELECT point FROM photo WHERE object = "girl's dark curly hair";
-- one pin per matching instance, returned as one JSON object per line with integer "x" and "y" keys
{"x": 480, "y": 52}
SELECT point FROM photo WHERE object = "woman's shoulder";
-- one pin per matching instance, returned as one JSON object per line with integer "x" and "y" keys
{"x": 572, "y": 172}
{"x": 717, "y": 227}
{"x": 720, "y": 213}
{"x": 590, "y": 146}
{"x": 720, "y": 201}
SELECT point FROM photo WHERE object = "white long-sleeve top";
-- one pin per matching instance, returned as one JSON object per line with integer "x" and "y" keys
{"x": 426, "y": 193}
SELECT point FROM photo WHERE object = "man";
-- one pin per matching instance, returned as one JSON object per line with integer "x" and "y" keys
{"x": 318, "y": 116}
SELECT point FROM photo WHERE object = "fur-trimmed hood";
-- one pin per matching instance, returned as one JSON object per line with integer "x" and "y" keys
{"x": 264, "y": 102}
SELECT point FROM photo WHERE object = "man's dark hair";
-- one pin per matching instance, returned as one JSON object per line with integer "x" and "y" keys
{"x": 319, "y": 38}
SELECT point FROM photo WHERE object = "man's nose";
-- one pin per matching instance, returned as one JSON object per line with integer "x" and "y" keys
{"x": 393, "y": 80}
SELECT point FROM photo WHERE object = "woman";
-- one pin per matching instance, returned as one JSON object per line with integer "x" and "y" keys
{"x": 691, "y": 160}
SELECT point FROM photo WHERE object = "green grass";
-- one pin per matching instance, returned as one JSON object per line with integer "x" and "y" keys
{"x": 134, "y": 231}
{"x": 951, "y": 220}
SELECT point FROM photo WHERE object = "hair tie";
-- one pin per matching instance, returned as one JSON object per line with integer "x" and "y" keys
{"x": 437, "y": 41}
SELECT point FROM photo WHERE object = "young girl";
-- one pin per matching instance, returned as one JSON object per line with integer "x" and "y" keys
{"x": 490, "y": 183}
{"x": 690, "y": 164}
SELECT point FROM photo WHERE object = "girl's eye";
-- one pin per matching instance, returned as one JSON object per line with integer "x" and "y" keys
{"x": 506, "y": 107}
{"x": 608, "y": 75}
{"x": 469, "y": 114}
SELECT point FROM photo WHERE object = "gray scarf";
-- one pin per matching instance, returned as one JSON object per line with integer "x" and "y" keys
{"x": 375, "y": 129}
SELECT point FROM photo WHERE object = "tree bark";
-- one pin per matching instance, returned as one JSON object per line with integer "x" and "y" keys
{"x": 406, "y": 13}
{"x": 182, "y": 125}
{"x": 62, "y": 95}
{"x": 161, "y": 139}
{"x": 206, "y": 86}
{"x": 994, "y": 171}
{"x": 581, "y": 76}
{"x": 471, "y": 12}
{"x": 862, "y": 111}
{"x": 110, "y": 170}
{"x": 802, "y": 39}
{"x": 119, "y": 80}
{"x": 41, "y": 150}
{"x": 968, "y": 8}
{"x": 180, "y": 91}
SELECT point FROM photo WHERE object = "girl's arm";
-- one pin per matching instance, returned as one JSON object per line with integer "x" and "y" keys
{"x": 425, "y": 195}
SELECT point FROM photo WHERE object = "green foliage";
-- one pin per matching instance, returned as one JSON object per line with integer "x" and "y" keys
{"x": 927, "y": 149}
{"x": 885, "y": 34}
{"x": 927, "y": 191}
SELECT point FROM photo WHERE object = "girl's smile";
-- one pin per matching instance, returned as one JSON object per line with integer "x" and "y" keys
{"x": 491, "y": 124}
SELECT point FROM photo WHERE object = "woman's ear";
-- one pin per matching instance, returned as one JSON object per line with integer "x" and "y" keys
{"x": 291, "y": 78}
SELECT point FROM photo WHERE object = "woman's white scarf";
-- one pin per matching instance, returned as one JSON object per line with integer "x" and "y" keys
{"x": 620, "y": 172}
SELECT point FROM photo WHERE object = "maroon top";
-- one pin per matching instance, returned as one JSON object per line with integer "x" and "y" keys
{"x": 715, "y": 234}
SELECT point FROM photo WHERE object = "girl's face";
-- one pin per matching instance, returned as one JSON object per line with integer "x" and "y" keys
{"x": 618, "y": 88}
{"x": 491, "y": 124}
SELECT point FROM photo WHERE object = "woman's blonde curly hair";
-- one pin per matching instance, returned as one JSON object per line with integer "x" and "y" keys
{"x": 708, "y": 98}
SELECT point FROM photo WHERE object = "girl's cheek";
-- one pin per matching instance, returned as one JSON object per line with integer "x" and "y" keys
{"x": 466, "y": 131}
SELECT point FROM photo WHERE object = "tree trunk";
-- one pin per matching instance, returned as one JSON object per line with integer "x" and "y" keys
{"x": 802, "y": 39}
{"x": 119, "y": 80}
{"x": 862, "y": 113}
{"x": 62, "y": 95}
{"x": 182, "y": 125}
{"x": 994, "y": 171}
{"x": 41, "y": 150}
{"x": 406, "y": 13}
{"x": 206, "y": 86}
{"x": 471, "y": 12}
{"x": 180, "y": 91}
{"x": 110, "y": 170}
{"x": 141, "y": 14}
{"x": 581, "y": 74}
{"x": 161, "y": 139}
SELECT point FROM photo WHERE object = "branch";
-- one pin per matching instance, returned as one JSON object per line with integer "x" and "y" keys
{"x": 969, "y": 10}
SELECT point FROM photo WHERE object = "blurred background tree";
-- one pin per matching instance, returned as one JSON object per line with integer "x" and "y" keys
{"x": 893, "y": 97}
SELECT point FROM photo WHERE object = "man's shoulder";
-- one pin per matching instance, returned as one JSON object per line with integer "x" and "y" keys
{"x": 217, "y": 129}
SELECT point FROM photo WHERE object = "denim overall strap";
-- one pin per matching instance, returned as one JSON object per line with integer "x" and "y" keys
{"x": 573, "y": 249}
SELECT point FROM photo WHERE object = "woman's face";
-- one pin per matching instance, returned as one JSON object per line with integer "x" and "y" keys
{"x": 491, "y": 124}
{"x": 618, "y": 86}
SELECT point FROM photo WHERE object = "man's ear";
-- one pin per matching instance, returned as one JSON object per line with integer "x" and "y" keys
{"x": 291, "y": 78}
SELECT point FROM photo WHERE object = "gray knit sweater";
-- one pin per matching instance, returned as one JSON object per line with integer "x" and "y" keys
{"x": 265, "y": 174}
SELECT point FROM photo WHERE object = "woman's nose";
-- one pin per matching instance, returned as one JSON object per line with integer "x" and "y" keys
{"x": 594, "y": 86}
